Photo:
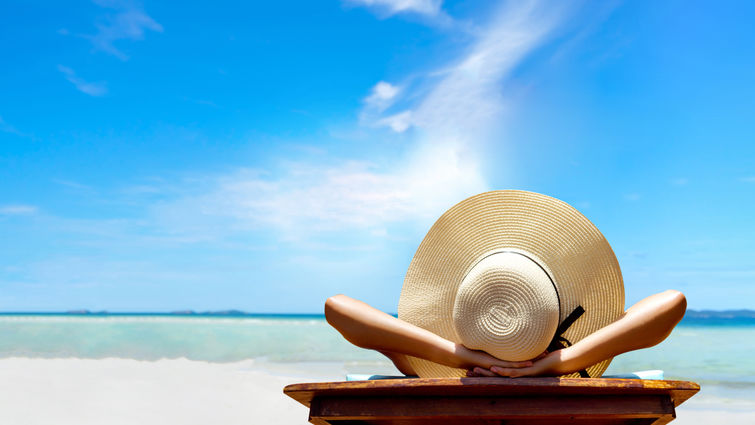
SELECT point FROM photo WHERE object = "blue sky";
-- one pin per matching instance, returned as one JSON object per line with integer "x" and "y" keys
{"x": 263, "y": 156}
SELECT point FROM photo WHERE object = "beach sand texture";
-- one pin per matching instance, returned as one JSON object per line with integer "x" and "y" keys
{"x": 180, "y": 391}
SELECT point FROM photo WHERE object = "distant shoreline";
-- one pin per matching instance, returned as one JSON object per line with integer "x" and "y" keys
{"x": 167, "y": 314}
{"x": 691, "y": 315}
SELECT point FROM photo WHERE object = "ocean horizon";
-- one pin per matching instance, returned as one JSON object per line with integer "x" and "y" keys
{"x": 83, "y": 350}
{"x": 714, "y": 350}
{"x": 690, "y": 313}
{"x": 709, "y": 347}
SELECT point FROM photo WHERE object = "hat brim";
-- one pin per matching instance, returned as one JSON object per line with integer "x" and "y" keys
{"x": 583, "y": 266}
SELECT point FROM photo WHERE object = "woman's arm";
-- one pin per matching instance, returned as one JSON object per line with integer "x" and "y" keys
{"x": 643, "y": 325}
{"x": 367, "y": 327}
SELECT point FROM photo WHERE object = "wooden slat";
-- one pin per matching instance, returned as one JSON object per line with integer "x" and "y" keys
{"x": 680, "y": 391}
{"x": 493, "y": 401}
{"x": 475, "y": 421}
{"x": 364, "y": 408}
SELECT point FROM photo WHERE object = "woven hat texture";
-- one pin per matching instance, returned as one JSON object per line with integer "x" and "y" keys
{"x": 501, "y": 270}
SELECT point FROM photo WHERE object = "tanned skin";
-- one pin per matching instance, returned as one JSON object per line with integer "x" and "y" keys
{"x": 643, "y": 325}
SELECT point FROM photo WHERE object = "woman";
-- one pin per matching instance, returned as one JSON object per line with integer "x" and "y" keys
{"x": 643, "y": 325}
{"x": 509, "y": 272}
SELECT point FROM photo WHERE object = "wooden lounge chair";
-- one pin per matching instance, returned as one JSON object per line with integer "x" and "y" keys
{"x": 480, "y": 401}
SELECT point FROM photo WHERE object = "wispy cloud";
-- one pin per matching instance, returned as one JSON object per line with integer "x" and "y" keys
{"x": 680, "y": 181}
{"x": 632, "y": 197}
{"x": 468, "y": 97}
{"x": 305, "y": 199}
{"x": 92, "y": 89}
{"x": 391, "y": 7}
{"x": 76, "y": 186}
{"x": 17, "y": 209}
{"x": 7, "y": 128}
{"x": 129, "y": 22}
{"x": 453, "y": 110}
{"x": 398, "y": 122}
{"x": 456, "y": 109}
{"x": 748, "y": 179}
{"x": 382, "y": 96}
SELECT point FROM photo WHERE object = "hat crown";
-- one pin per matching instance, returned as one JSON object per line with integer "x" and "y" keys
{"x": 507, "y": 305}
{"x": 549, "y": 231}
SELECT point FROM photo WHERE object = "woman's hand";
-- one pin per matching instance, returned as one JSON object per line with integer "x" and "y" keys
{"x": 645, "y": 324}
{"x": 367, "y": 327}
{"x": 476, "y": 359}
{"x": 544, "y": 364}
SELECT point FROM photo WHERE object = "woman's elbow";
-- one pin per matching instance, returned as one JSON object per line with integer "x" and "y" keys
{"x": 340, "y": 314}
{"x": 336, "y": 310}
{"x": 671, "y": 312}
{"x": 677, "y": 305}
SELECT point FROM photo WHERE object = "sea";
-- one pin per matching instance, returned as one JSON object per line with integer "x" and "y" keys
{"x": 717, "y": 353}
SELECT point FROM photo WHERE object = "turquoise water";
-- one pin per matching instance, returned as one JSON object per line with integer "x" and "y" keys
{"x": 214, "y": 339}
{"x": 715, "y": 353}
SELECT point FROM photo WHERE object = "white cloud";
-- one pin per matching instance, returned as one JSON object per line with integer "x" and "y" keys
{"x": 306, "y": 199}
{"x": 92, "y": 89}
{"x": 468, "y": 100}
{"x": 129, "y": 22}
{"x": 17, "y": 210}
{"x": 382, "y": 96}
{"x": 422, "y": 7}
{"x": 441, "y": 164}
{"x": 399, "y": 122}
{"x": 470, "y": 95}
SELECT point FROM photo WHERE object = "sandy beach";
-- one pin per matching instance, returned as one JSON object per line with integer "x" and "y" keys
{"x": 124, "y": 391}
{"x": 180, "y": 391}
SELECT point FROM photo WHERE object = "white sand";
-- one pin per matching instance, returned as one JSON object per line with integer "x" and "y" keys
{"x": 688, "y": 416}
{"x": 707, "y": 408}
{"x": 122, "y": 391}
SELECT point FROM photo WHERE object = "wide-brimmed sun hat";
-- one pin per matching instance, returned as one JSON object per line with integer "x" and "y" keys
{"x": 512, "y": 273}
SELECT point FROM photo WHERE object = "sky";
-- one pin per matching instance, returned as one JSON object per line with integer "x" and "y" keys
{"x": 262, "y": 156}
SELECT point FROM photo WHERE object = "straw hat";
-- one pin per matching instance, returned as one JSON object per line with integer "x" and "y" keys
{"x": 512, "y": 273}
